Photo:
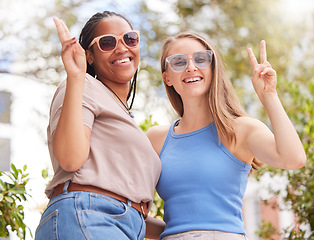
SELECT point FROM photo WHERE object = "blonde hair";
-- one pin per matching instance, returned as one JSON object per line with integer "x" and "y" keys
{"x": 224, "y": 104}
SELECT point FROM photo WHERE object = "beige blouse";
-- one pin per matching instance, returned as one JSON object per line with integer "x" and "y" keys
{"x": 121, "y": 157}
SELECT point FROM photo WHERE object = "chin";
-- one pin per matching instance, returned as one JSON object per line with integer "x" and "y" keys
{"x": 124, "y": 78}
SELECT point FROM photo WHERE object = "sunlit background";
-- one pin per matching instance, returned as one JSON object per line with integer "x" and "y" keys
{"x": 31, "y": 68}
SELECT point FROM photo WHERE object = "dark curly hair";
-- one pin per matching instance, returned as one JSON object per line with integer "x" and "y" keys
{"x": 87, "y": 36}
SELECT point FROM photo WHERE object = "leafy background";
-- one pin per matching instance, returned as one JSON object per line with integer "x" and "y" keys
{"x": 30, "y": 48}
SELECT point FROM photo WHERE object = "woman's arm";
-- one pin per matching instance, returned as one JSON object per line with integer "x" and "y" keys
{"x": 71, "y": 138}
{"x": 154, "y": 227}
{"x": 282, "y": 148}
{"x": 157, "y": 135}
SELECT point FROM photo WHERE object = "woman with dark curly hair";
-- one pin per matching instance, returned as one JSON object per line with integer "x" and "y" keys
{"x": 105, "y": 168}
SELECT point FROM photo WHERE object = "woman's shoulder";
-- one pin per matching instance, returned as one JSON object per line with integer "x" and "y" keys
{"x": 157, "y": 135}
{"x": 247, "y": 123}
{"x": 157, "y": 131}
{"x": 247, "y": 127}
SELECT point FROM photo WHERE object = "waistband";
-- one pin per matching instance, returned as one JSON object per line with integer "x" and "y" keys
{"x": 140, "y": 207}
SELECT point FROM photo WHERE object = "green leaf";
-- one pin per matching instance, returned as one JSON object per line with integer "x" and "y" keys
{"x": 17, "y": 190}
{"x": 25, "y": 175}
{"x": 44, "y": 173}
{"x": 9, "y": 199}
{"x": 2, "y": 185}
{"x": 23, "y": 197}
{"x": 15, "y": 171}
{"x": 20, "y": 207}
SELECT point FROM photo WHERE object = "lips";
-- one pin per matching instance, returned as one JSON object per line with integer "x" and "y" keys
{"x": 192, "y": 79}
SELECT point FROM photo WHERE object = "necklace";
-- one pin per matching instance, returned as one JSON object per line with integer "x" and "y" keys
{"x": 125, "y": 106}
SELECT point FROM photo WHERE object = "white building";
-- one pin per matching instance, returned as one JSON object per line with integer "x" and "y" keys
{"x": 24, "y": 108}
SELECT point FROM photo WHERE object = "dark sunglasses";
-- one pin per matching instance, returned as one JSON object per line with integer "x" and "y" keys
{"x": 109, "y": 42}
{"x": 179, "y": 62}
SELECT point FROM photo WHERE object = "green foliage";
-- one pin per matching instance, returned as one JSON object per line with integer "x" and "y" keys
{"x": 158, "y": 203}
{"x": 12, "y": 194}
{"x": 301, "y": 182}
{"x": 298, "y": 194}
{"x": 147, "y": 123}
{"x": 266, "y": 231}
{"x": 157, "y": 209}
{"x": 45, "y": 173}
{"x": 295, "y": 234}
{"x": 39, "y": 51}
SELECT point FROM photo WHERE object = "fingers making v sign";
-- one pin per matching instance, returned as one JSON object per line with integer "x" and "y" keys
{"x": 72, "y": 54}
{"x": 264, "y": 77}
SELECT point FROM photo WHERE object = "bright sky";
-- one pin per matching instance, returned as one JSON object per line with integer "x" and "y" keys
{"x": 14, "y": 10}
{"x": 299, "y": 8}
{"x": 19, "y": 11}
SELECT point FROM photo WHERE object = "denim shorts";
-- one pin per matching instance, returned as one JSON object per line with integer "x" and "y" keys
{"x": 205, "y": 235}
{"x": 83, "y": 215}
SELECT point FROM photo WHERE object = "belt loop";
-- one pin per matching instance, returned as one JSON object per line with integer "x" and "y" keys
{"x": 65, "y": 187}
{"x": 129, "y": 203}
{"x": 143, "y": 212}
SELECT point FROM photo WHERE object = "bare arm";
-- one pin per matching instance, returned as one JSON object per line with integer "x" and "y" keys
{"x": 71, "y": 138}
{"x": 157, "y": 136}
{"x": 154, "y": 227}
{"x": 283, "y": 148}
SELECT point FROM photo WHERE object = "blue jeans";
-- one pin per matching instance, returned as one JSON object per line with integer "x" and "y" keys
{"x": 83, "y": 215}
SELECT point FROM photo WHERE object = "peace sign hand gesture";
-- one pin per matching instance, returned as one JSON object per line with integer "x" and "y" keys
{"x": 264, "y": 77}
{"x": 72, "y": 53}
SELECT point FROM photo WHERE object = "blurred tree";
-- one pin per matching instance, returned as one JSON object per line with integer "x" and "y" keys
{"x": 233, "y": 25}
{"x": 35, "y": 51}
{"x": 299, "y": 192}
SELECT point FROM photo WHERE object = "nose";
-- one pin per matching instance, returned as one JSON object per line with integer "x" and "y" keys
{"x": 120, "y": 47}
{"x": 191, "y": 66}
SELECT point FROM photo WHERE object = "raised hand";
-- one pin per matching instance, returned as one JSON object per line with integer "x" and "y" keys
{"x": 264, "y": 77}
{"x": 72, "y": 54}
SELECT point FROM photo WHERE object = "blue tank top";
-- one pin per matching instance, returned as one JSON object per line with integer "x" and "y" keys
{"x": 201, "y": 183}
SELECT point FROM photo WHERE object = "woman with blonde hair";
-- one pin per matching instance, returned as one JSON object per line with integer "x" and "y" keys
{"x": 208, "y": 153}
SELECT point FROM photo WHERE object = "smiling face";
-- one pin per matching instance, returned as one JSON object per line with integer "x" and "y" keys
{"x": 192, "y": 82}
{"x": 119, "y": 65}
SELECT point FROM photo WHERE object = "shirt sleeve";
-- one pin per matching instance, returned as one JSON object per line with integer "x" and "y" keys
{"x": 89, "y": 107}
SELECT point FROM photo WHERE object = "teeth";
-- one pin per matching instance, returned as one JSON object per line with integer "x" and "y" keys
{"x": 193, "y": 79}
{"x": 123, "y": 60}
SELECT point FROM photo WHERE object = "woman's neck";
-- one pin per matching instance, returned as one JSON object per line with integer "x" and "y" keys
{"x": 196, "y": 115}
{"x": 121, "y": 90}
